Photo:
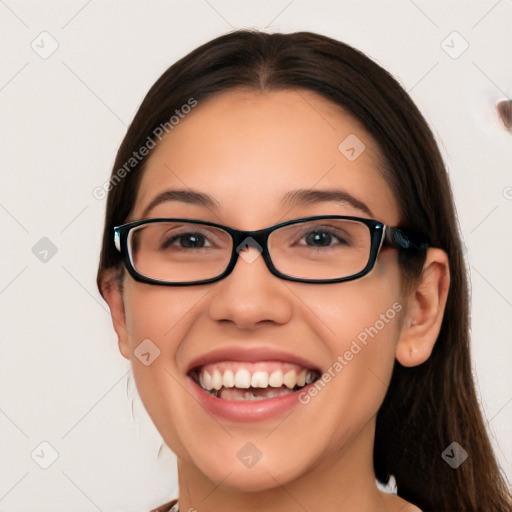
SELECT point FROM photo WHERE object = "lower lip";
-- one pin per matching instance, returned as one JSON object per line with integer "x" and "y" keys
{"x": 245, "y": 411}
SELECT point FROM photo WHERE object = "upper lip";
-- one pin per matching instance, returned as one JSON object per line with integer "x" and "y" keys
{"x": 249, "y": 354}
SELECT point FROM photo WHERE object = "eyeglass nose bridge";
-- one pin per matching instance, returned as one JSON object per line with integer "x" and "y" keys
{"x": 243, "y": 240}
{"x": 247, "y": 243}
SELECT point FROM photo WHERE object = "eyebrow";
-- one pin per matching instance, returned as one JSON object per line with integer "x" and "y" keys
{"x": 301, "y": 197}
{"x": 309, "y": 196}
{"x": 184, "y": 196}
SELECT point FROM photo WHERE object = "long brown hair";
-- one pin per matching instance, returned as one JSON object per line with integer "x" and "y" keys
{"x": 426, "y": 407}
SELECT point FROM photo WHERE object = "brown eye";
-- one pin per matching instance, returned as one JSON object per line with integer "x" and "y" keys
{"x": 185, "y": 240}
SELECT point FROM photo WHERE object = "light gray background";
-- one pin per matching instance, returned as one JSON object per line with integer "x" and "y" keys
{"x": 62, "y": 118}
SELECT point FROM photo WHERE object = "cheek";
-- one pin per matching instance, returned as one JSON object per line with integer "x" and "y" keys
{"x": 157, "y": 312}
{"x": 361, "y": 329}
{"x": 158, "y": 319}
{"x": 357, "y": 309}
{"x": 359, "y": 322}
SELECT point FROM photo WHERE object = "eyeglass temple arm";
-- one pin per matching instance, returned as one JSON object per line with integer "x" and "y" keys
{"x": 117, "y": 240}
{"x": 410, "y": 241}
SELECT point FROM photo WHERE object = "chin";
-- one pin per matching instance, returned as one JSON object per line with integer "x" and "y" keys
{"x": 257, "y": 478}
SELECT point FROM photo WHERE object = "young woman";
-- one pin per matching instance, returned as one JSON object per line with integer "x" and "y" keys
{"x": 284, "y": 270}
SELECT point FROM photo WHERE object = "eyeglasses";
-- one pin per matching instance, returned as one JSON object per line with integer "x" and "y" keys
{"x": 321, "y": 249}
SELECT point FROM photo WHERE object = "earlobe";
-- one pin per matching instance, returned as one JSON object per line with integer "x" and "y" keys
{"x": 424, "y": 311}
{"x": 113, "y": 295}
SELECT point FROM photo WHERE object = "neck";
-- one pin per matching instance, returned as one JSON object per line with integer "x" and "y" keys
{"x": 342, "y": 480}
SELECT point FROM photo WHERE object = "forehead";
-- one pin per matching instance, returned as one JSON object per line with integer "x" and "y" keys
{"x": 247, "y": 149}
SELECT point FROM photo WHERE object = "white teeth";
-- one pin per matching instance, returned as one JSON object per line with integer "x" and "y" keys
{"x": 217, "y": 380}
{"x": 243, "y": 379}
{"x": 207, "y": 380}
{"x": 276, "y": 379}
{"x": 290, "y": 379}
{"x": 229, "y": 379}
{"x": 259, "y": 379}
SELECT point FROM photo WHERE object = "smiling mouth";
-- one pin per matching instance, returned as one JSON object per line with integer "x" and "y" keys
{"x": 237, "y": 380}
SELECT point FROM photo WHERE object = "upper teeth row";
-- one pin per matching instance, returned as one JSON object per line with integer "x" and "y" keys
{"x": 259, "y": 379}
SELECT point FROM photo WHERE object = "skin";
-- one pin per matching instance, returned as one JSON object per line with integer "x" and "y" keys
{"x": 247, "y": 149}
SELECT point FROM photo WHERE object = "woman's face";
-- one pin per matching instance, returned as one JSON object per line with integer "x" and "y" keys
{"x": 247, "y": 151}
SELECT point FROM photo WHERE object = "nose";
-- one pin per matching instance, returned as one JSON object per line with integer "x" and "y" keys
{"x": 251, "y": 295}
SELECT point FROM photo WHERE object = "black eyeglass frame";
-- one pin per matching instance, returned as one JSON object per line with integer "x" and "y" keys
{"x": 413, "y": 242}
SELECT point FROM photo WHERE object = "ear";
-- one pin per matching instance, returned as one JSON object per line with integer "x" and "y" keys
{"x": 424, "y": 310}
{"x": 112, "y": 293}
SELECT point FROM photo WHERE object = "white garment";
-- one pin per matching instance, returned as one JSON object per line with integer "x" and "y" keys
{"x": 390, "y": 487}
